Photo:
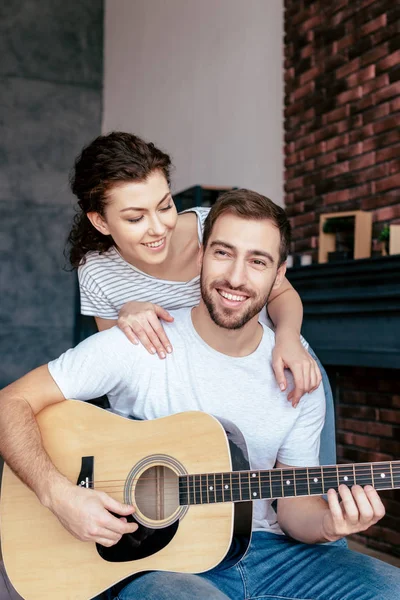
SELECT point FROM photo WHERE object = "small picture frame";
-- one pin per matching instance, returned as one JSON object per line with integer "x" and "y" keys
{"x": 356, "y": 227}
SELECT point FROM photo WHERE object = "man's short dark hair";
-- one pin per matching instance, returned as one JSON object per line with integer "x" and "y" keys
{"x": 252, "y": 206}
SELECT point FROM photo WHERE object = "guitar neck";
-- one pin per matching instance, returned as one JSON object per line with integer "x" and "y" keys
{"x": 237, "y": 486}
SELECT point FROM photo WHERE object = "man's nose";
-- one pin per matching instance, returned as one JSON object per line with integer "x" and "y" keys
{"x": 237, "y": 274}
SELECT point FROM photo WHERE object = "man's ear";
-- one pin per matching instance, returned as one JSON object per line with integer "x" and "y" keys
{"x": 98, "y": 222}
{"x": 280, "y": 275}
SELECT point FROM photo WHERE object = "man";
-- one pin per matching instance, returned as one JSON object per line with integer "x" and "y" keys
{"x": 221, "y": 365}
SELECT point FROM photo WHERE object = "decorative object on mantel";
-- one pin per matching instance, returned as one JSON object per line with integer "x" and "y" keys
{"x": 394, "y": 239}
{"x": 348, "y": 236}
{"x": 384, "y": 237}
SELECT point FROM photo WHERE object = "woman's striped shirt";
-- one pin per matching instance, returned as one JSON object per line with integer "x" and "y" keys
{"x": 107, "y": 282}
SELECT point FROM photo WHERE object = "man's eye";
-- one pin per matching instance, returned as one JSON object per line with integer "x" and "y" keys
{"x": 135, "y": 220}
{"x": 221, "y": 252}
{"x": 259, "y": 263}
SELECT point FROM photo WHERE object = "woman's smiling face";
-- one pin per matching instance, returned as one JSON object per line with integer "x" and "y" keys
{"x": 141, "y": 218}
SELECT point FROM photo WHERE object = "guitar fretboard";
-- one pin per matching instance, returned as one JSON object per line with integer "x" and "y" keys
{"x": 237, "y": 486}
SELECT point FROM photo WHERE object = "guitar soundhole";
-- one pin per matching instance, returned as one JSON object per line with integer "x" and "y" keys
{"x": 157, "y": 493}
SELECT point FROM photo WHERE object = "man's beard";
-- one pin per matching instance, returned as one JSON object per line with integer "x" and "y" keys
{"x": 223, "y": 317}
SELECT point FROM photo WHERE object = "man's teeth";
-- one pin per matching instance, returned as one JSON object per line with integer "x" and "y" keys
{"x": 232, "y": 297}
{"x": 155, "y": 244}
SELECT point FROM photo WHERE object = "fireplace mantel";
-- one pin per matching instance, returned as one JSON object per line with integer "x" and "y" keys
{"x": 352, "y": 310}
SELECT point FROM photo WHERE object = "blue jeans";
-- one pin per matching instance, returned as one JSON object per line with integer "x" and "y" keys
{"x": 277, "y": 568}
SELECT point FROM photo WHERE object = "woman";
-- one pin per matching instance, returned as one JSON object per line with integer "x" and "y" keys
{"x": 137, "y": 258}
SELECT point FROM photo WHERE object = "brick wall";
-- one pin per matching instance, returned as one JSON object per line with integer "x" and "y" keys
{"x": 342, "y": 108}
{"x": 368, "y": 430}
{"x": 342, "y": 152}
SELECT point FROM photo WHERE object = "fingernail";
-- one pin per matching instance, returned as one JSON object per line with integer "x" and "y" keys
{"x": 153, "y": 350}
{"x": 282, "y": 386}
{"x": 169, "y": 349}
{"x": 162, "y": 354}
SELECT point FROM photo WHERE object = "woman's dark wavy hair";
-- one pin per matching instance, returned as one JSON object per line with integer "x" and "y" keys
{"x": 109, "y": 160}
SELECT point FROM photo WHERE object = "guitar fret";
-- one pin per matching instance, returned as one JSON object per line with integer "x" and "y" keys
{"x": 316, "y": 487}
{"x": 254, "y": 485}
{"x": 203, "y": 485}
{"x": 346, "y": 475}
{"x": 331, "y": 478}
{"x": 227, "y": 487}
{"x": 276, "y": 484}
{"x": 391, "y": 474}
{"x": 218, "y": 487}
{"x": 208, "y": 490}
{"x": 383, "y": 478}
{"x": 288, "y": 488}
{"x": 308, "y": 482}
{"x": 354, "y": 474}
{"x": 236, "y": 492}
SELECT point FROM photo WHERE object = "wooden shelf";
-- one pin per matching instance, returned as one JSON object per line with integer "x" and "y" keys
{"x": 362, "y": 234}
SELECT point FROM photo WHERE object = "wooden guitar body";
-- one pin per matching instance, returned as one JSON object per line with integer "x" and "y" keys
{"x": 135, "y": 462}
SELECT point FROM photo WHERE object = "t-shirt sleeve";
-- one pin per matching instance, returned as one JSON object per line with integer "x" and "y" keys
{"x": 99, "y": 365}
{"x": 300, "y": 448}
{"x": 93, "y": 300}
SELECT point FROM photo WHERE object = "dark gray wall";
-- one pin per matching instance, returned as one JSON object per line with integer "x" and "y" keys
{"x": 51, "y": 72}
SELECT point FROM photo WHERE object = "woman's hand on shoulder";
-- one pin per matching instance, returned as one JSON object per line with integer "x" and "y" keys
{"x": 140, "y": 322}
{"x": 289, "y": 353}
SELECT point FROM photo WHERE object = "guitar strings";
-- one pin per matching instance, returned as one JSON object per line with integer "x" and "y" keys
{"x": 276, "y": 475}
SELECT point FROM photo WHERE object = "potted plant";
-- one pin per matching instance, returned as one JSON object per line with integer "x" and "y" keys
{"x": 384, "y": 238}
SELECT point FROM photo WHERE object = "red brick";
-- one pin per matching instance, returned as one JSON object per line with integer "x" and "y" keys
{"x": 380, "y": 429}
{"x": 388, "y": 92}
{"x": 336, "y": 115}
{"x": 313, "y": 151}
{"x": 350, "y": 151}
{"x": 359, "y": 191}
{"x": 348, "y": 68}
{"x": 310, "y": 74}
{"x": 375, "y": 172}
{"x": 373, "y": 25}
{"x": 335, "y": 170}
{"x": 361, "y": 134}
{"x": 391, "y": 122}
{"x": 382, "y": 110}
{"x": 361, "y": 76}
{"x": 387, "y": 214}
{"x": 326, "y": 159}
{"x": 387, "y": 63}
{"x": 303, "y": 219}
{"x": 307, "y": 51}
{"x": 350, "y": 95}
{"x": 336, "y": 197}
{"x": 374, "y": 55}
{"x": 365, "y": 160}
{"x": 385, "y": 139}
{"x": 388, "y": 183}
{"x": 336, "y": 142}
{"x": 395, "y": 104}
{"x": 376, "y": 84}
{"x": 310, "y": 23}
{"x": 344, "y": 42}
{"x": 294, "y": 184}
{"x": 304, "y": 90}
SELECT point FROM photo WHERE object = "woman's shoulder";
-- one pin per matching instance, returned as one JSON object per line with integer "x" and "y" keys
{"x": 97, "y": 261}
{"x": 193, "y": 218}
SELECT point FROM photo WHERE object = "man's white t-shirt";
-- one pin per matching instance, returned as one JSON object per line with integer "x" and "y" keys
{"x": 196, "y": 377}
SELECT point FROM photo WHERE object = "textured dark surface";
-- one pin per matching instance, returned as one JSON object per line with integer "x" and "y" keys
{"x": 51, "y": 94}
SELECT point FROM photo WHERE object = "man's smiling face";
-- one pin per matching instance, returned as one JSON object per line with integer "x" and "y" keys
{"x": 239, "y": 269}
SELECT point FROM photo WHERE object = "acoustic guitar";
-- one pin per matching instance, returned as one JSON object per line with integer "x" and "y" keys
{"x": 189, "y": 478}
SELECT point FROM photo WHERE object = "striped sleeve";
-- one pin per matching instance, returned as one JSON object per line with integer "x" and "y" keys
{"x": 93, "y": 300}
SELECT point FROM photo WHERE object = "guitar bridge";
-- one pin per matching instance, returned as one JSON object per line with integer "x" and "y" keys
{"x": 85, "y": 478}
